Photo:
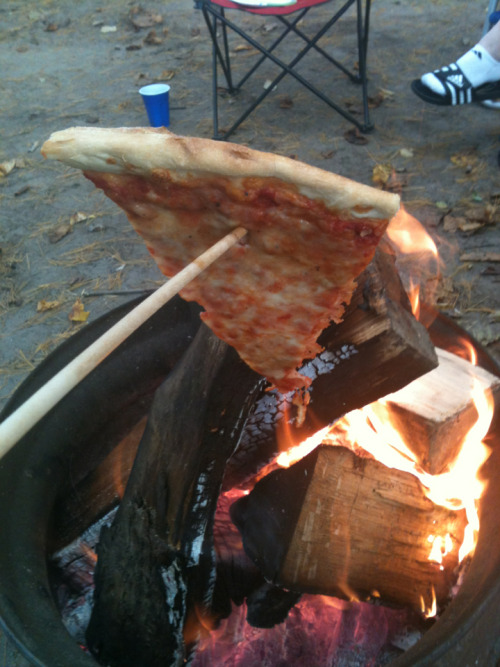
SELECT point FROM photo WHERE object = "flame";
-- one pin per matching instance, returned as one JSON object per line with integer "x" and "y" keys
{"x": 461, "y": 487}
{"x": 465, "y": 349}
{"x": 441, "y": 547}
{"x": 409, "y": 235}
{"x": 429, "y": 611}
{"x": 458, "y": 488}
{"x": 370, "y": 429}
{"x": 414, "y": 246}
{"x": 294, "y": 454}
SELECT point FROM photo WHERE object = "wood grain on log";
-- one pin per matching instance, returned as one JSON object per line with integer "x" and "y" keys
{"x": 435, "y": 412}
{"x": 340, "y": 525}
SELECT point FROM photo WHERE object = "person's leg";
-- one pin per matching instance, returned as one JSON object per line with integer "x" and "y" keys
{"x": 474, "y": 77}
{"x": 491, "y": 41}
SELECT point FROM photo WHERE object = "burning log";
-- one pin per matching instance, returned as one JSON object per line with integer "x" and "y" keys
{"x": 155, "y": 563}
{"x": 378, "y": 348}
{"x": 342, "y": 525}
{"x": 434, "y": 413}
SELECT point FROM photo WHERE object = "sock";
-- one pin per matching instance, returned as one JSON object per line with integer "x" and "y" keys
{"x": 477, "y": 65}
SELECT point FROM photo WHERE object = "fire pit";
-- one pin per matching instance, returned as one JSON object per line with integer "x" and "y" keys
{"x": 87, "y": 426}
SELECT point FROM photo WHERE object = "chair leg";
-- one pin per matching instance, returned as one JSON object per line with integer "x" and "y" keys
{"x": 219, "y": 56}
{"x": 213, "y": 19}
{"x": 363, "y": 25}
{"x": 223, "y": 60}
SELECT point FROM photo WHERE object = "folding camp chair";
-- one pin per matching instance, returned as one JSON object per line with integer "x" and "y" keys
{"x": 219, "y": 25}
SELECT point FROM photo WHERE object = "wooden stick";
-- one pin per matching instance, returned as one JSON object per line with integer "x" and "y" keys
{"x": 38, "y": 405}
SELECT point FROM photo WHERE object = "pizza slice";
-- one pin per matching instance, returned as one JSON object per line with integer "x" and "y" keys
{"x": 310, "y": 233}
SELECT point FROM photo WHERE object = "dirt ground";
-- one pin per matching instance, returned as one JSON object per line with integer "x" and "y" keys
{"x": 68, "y": 252}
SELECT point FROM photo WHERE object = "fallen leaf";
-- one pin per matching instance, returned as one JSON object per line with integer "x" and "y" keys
{"x": 463, "y": 160}
{"x": 354, "y": 136}
{"x": 78, "y": 312}
{"x": 59, "y": 232}
{"x": 376, "y": 100}
{"x": 442, "y": 205}
{"x": 326, "y": 155}
{"x": 79, "y": 216}
{"x": 469, "y": 226}
{"x": 167, "y": 74}
{"x": 480, "y": 256}
{"x": 381, "y": 173}
{"x": 451, "y": 223}
{"x": 43, "y": 305}
{"x": 22, "y": 191}
{"x": 476, "y": 213}
{"x": 396, "y": 182}
{"x": 143, "y": 18}
{"x": 152, "y": 38}
{"x": 242, "y": 47}
{"x": 6, "y": 167}
{"x": 286, "y": 102}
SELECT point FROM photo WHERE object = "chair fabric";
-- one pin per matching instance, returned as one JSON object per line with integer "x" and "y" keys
{"x": 220, "y": 25}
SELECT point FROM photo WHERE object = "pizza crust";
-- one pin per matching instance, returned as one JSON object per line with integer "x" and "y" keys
{"x": 142, "y": 150}
{"x": 310, "y": 233}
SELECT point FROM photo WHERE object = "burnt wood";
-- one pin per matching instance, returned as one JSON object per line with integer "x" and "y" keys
{"x": 156, "y": 568}
{"x": 337, "y": 524}
{"x": 378, "y": 348}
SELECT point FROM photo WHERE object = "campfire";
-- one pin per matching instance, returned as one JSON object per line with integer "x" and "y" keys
{"x": 241, "y": 490}
{"x": 344, "y": 527}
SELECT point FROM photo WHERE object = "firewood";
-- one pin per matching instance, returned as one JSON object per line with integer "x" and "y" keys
{"x": 434, "y": 413}
{"x": 378, "y": 348}
{"x": 156, "y": 568}
{"x": 341, "y": 525}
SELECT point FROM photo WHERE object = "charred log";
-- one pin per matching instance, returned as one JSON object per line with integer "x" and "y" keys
{"x": 378, "y": 348}
{"x": 340, "y": 525}
{"x": 156, "y": 565}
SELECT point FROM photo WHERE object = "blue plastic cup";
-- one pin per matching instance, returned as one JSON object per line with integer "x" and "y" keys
{"x": 155, "y": 98}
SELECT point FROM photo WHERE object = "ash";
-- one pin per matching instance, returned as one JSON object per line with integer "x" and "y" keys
{"x": 74, "y": 566}
{"x": 318, "y": 630}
